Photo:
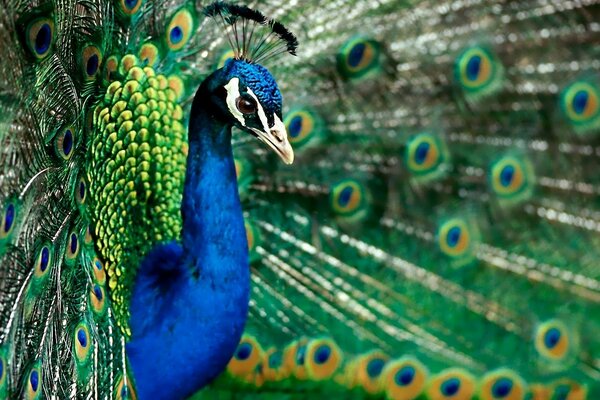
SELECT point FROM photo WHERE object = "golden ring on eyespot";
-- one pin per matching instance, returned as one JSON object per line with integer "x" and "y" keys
{"x": 43, "y": 261}
{"x": 246, "y": 357}
{"x": 552, "y": 340}
{"x": 179, "y": 30}
{"x": 476, "y": 67}
{"x": 99, "y": 271}
{"x": 92, "y": 60}
{"x": 368, "y": 370}
{"x": 452, "y": 384}
{"x": 347, "y": 197}
{"x": 299, "y": 125}
{"x": 360, "y": 55}
{"x": 73, "y": 246}
{"x": 65, "y": 142}
{"x": 130, "y": 7}
{"x": 454, "y": 237}
{"x": 404, "y": 378}
{"x": 9, "y": 220}
{"x": 40, "y": 37}
{"x": 502, "y": 384}
{"x": 323, "y": 358}
{"x": 507, "y": 176}
{"x": 423, "y": 153}
{"x": 82, "y": 342}
{"x": 97, "y": 298}
{"x": 34, "y": 383}
{"x": 581, "y": 102}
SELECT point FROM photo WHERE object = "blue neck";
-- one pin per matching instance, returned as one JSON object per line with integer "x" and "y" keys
{"x": 213, "y": 226}
{"x": 190, "y": 300}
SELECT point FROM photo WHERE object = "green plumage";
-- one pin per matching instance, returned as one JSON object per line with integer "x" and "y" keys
{"x": 437, "y": 236}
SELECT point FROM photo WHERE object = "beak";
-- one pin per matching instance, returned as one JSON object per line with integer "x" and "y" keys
{"x": 276, "y": 138}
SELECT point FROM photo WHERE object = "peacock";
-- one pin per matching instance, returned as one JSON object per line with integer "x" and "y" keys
{"x": 436, "y": 237}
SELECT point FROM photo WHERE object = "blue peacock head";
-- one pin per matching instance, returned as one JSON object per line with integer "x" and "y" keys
{"x": 244, "y": 91}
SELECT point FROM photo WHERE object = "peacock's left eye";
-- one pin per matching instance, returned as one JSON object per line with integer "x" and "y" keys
{"x": 246, "y": 106}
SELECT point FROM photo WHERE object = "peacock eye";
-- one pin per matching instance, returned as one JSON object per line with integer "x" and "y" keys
{"x": 246, "y": 106}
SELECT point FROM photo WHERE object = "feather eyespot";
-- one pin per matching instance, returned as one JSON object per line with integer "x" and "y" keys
{"x": 72, "y": 246}
{"x": 130, "y": 7}
{"x": 179, "y": 30}
{"x": 580, "y": 103}
{"x": 8, "y": 220}
{"x": 99, "y": 272}
{"x": 246, "y": 358}
{"x": 64, "y": 143}
{"x": 348, "y": 199}
{"x": 369, "y": 368}
{"x": 479, "y": 72}
{"x": 323, "y": 358}
{"x": 404, "y": 378}
{"x": 453, "y": 383}
{"x": 454, "y": 237}
{"x": 98, "y": 299}
{"x": 82, "y": 343}
{"x": 92, "y": 59}
{"x": 552, "y": 340}
{"x": 425, "y": 155}
{"x": 475, "y": 67}
{"x": 40, "y": 36}
{"x": 359, "y": 57}
{"x": 81, "y": 191}
{"x": 511, "y": 178}
{"x": 246, "y": 105}
{"x": 34, "y": 383}
{"x": 43, "y": 261}
{"x": 502, "y": 384}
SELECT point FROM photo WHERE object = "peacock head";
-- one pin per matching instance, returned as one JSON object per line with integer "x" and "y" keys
{"x": 244, "y": 93}
{"x": 247, "y": 96}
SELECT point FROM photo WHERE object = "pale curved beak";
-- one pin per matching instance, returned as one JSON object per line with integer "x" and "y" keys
{"x": 276, "y": 138}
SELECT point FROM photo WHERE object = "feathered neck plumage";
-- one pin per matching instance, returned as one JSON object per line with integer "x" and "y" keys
{"x": 190, "y": 301}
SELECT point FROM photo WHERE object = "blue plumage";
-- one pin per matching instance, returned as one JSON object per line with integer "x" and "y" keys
{"x": 190, "y": 299}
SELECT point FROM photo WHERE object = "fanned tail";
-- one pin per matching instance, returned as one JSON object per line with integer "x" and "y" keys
{"x": 442, "y": 207}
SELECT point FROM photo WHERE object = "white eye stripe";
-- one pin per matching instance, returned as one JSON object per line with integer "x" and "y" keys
{"x": 261, "y": 112}
{"x": 233, "y": 92}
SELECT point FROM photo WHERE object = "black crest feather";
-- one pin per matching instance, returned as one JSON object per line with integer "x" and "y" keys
{"x": 253, "y": 36}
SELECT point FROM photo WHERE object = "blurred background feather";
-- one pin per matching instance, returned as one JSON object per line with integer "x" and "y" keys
{"x": 438, "y": 235}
